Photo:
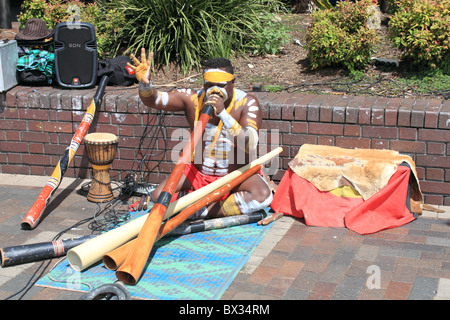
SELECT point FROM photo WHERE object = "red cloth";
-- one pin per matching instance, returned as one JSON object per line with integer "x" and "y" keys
{"x": 199, "y": 180}
{"x": 298, "y": 197}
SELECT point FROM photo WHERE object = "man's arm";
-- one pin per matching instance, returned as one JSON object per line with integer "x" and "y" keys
{"x": 246, "y": 128}
{"x": 152, "y": 98}
{"x": 251, "y": 120}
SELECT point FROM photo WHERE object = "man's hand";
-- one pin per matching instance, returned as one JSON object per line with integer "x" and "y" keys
{"x": 142, "y": 68}
{"x": 216, "y": 101}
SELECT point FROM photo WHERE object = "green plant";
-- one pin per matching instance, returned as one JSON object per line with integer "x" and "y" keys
{"x": 187, "y": 32}
{"x": 341, "y": 36}
{"x": 108, "y": 26}
{"x": 274, "y": 88}
{"x": 51, "y": 11}
{"x": 107, "y": 23}
{"x": 35, "y": 9}
{"x": 271, "y": 38}
{"x": 426, "y": 82}
{"x": 420, "y": 28}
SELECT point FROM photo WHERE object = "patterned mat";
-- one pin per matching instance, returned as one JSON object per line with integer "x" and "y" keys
{"x": 197, "y": 266}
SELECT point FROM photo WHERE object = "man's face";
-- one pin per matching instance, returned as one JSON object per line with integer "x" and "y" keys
{"x": 227, "y": 86}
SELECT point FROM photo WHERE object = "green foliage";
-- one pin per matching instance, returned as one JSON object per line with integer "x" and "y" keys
{"x": 187, "y": 32}
{"x": 107, "y": 23}
{"x": 273, "y": 88}
{"x": 420, "y": 28}
{"x": 341, "y": 36}
{"x": 323, "y": 4}
{"x": 271, "y": 38}
{"x": 36, "y": 9}
{"x": 426, "y": 82}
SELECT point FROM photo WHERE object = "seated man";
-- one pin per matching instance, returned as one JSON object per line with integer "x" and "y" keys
{"x": 230, "y": 138}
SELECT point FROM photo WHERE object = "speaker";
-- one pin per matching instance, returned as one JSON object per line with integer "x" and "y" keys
{"x": 75, "y": 55}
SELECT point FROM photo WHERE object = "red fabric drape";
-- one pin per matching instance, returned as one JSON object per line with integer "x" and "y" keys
{"x": 297, "y": 197}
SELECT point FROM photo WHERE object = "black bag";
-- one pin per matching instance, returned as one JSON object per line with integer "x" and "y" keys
{"x": 120, "y": 74}
{"x": 33, "y": 77}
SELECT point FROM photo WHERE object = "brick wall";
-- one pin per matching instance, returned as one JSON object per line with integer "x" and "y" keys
{"x": 37, "y": 124}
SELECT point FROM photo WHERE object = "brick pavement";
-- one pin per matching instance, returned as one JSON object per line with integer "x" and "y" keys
{"x": 335, "y": 263}
{"x": 292, "y": 262}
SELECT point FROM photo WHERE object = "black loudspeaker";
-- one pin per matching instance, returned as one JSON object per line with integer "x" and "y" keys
{"x": 75, "y": 55}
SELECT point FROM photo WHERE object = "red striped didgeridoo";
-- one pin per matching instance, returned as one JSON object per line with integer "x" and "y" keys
{"x": 34, "y": 215}
{"x": 131, "y": 270}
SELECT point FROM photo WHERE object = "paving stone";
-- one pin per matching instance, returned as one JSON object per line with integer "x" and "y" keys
{"x": 349, "y": 288}
{"x": 424, "y": 288}
{"x": 443, "y": 291}
{"x": 398, "y": 290}
{"x": 367, "y": 253}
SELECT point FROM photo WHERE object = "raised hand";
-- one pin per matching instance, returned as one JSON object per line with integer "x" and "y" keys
{"x": 142, "y": 68}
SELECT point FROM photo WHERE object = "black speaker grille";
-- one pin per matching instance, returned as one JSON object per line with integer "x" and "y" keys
{"x": 75, "y": 55}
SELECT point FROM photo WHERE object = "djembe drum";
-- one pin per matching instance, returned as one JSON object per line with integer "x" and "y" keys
{"x": 101, "y": 149}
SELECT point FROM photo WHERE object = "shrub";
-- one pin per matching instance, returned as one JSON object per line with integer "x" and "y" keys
{"x": 187, "y": 32}
{"x": 36, "y": 9}
{"x": 107, "y": 23}
{"x": 420, "y": 29}
{"x": 341, "y": 36}
{"x": 270, "y": 39}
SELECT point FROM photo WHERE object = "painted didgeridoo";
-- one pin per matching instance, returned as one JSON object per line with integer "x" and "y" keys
{"x": 35, "y": 213}
{"x": 116, "y": 258}
{"x": 27, "y": 253}
{"x": 131, "y": 269}
{"x": 92, "y": 251}
{"x": 217, "y": 223}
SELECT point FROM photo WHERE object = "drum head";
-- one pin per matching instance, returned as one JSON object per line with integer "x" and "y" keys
{"x": 100, "y": 137}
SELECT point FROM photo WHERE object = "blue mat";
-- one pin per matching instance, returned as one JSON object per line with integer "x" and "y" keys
{"x": 197, "y": 266}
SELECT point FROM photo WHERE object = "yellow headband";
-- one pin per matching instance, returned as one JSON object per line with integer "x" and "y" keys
{"x": 217, "y": 76}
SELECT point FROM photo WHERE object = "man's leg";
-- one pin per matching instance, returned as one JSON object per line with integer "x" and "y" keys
{"x": 250, "y": 196}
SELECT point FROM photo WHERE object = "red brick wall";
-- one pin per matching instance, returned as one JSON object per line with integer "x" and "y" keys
{"x": 37, "y": 125}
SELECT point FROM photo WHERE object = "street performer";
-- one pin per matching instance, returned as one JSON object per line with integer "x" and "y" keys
{"x": 230, "y": 138}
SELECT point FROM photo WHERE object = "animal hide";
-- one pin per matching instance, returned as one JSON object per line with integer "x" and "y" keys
{"x": 366, "y": 170}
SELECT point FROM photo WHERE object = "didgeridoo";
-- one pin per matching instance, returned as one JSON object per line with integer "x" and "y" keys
{"x": 92, "y": 251}
{"x": 217, "y": 223}
{"x": 35, "y": 213}
{"x": 131, "y": 269}
{"x": 116, "y": 258}
{"x": 26, "y": 253}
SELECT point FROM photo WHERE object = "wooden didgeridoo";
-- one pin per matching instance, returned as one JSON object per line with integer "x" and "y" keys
{"x": 92, "y": 251}
{"x": 34, "y": 215}
{"x": 131, "y": 269}
{"x": 114, "y": 259}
